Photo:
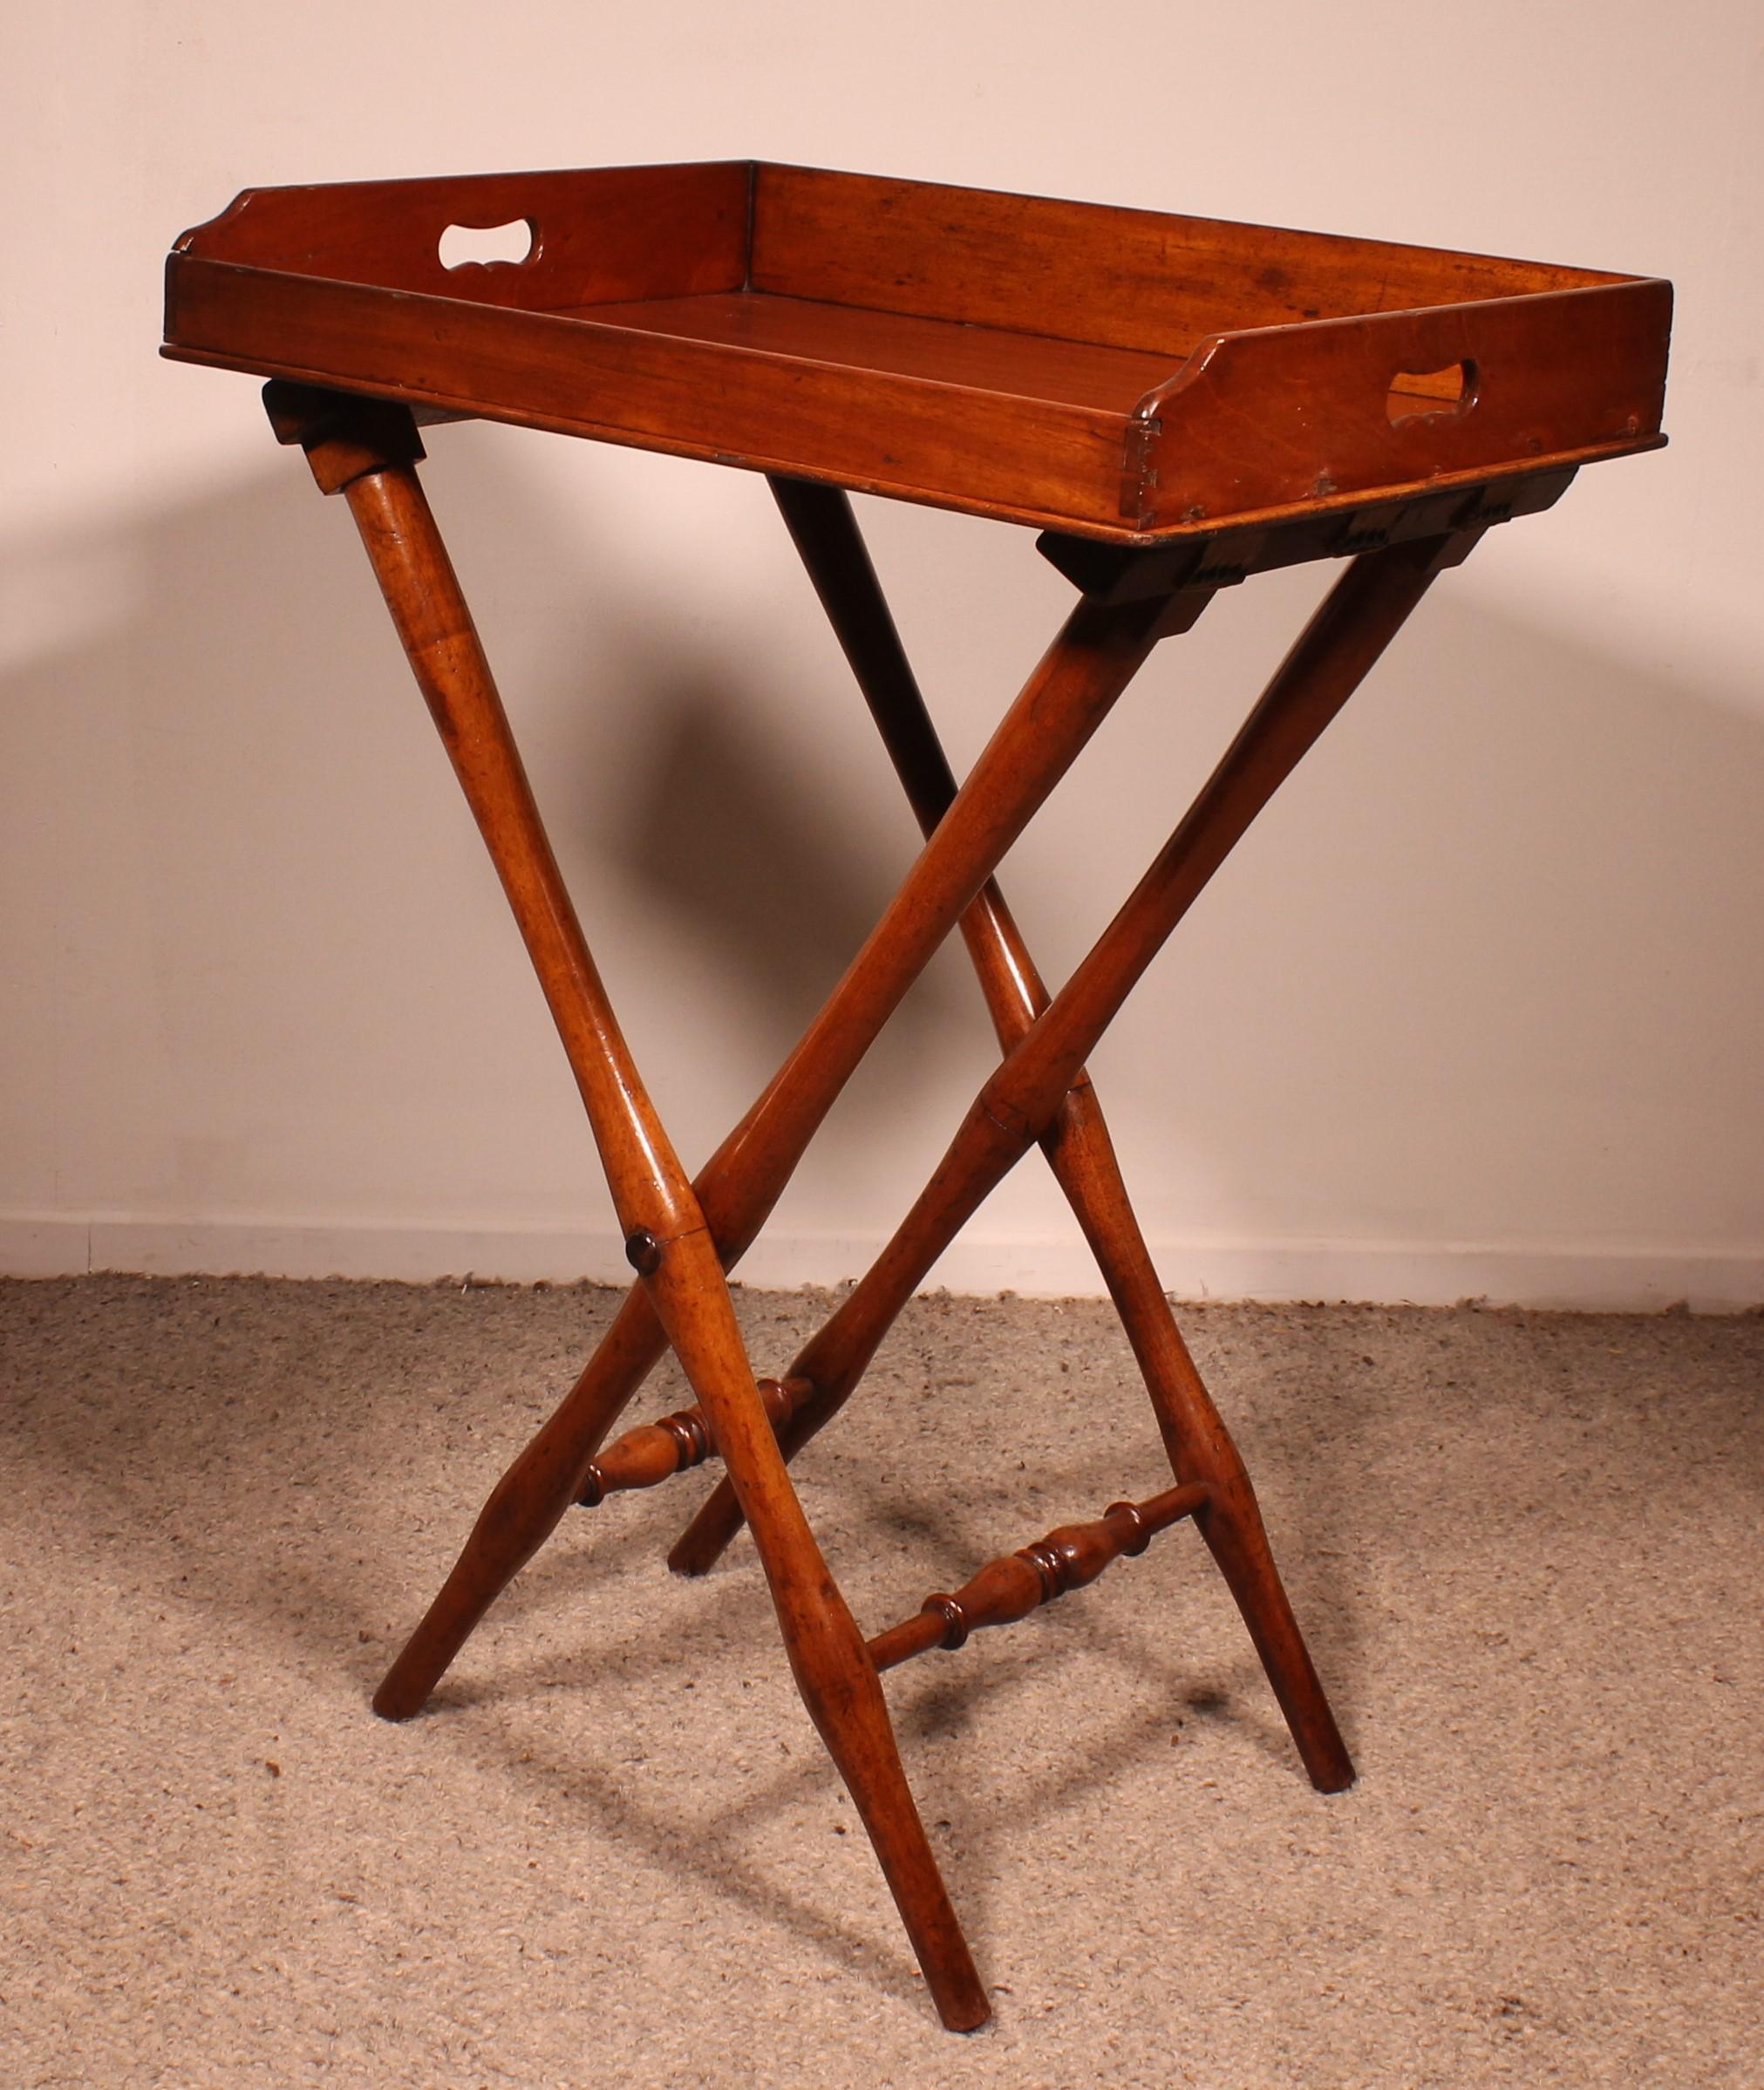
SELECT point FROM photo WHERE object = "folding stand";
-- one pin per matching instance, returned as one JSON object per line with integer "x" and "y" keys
{"x": 1136, "y": 587}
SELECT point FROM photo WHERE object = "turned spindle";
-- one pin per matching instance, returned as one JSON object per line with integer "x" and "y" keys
{"x": 1010, "y": 1588}
{"x": 654, "y": 1451}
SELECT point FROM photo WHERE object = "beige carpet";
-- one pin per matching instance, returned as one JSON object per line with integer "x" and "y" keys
{"x": 1526, "y": 1547}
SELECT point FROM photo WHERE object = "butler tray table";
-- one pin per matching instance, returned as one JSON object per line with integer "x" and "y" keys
{"x": 1175, "y": 404}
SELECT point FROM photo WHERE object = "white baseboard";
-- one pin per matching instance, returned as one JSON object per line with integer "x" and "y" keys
{"x": 1588, "y": 1279}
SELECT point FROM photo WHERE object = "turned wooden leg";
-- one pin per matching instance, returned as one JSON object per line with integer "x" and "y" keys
{"x": 369, "y": 454}
{"x": 368, "y": 451}
{"x": 1031, "y": 1089}
{"x": 1197, "y": 1443}
{"x": 833, "y": 1668}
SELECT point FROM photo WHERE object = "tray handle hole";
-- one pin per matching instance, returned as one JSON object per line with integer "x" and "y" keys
{"x": 478, "y": 246}
{"x": 1418, "y": 395}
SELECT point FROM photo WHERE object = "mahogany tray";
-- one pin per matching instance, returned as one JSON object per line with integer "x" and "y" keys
{"x": 1118, "y": 374}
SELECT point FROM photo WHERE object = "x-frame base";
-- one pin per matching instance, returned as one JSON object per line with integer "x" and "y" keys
{"x": 684, "y": 1235}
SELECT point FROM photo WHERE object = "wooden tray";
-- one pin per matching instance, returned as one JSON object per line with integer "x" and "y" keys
{"x": 1119, "y": 374}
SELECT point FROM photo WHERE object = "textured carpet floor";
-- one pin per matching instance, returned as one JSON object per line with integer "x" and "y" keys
{"x": 1525, "y": 1546}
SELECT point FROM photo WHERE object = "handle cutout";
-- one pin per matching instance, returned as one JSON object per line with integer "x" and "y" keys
{"x": 1417, "y": 395}
{"x": 480, "y": 246}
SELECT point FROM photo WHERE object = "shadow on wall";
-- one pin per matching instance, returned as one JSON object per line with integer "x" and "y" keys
{"x": 1491, "y": 969}
{"x": 753, "y": 872}
{"x": 1502, "y": 925}
{"x": 244, "y": 888}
